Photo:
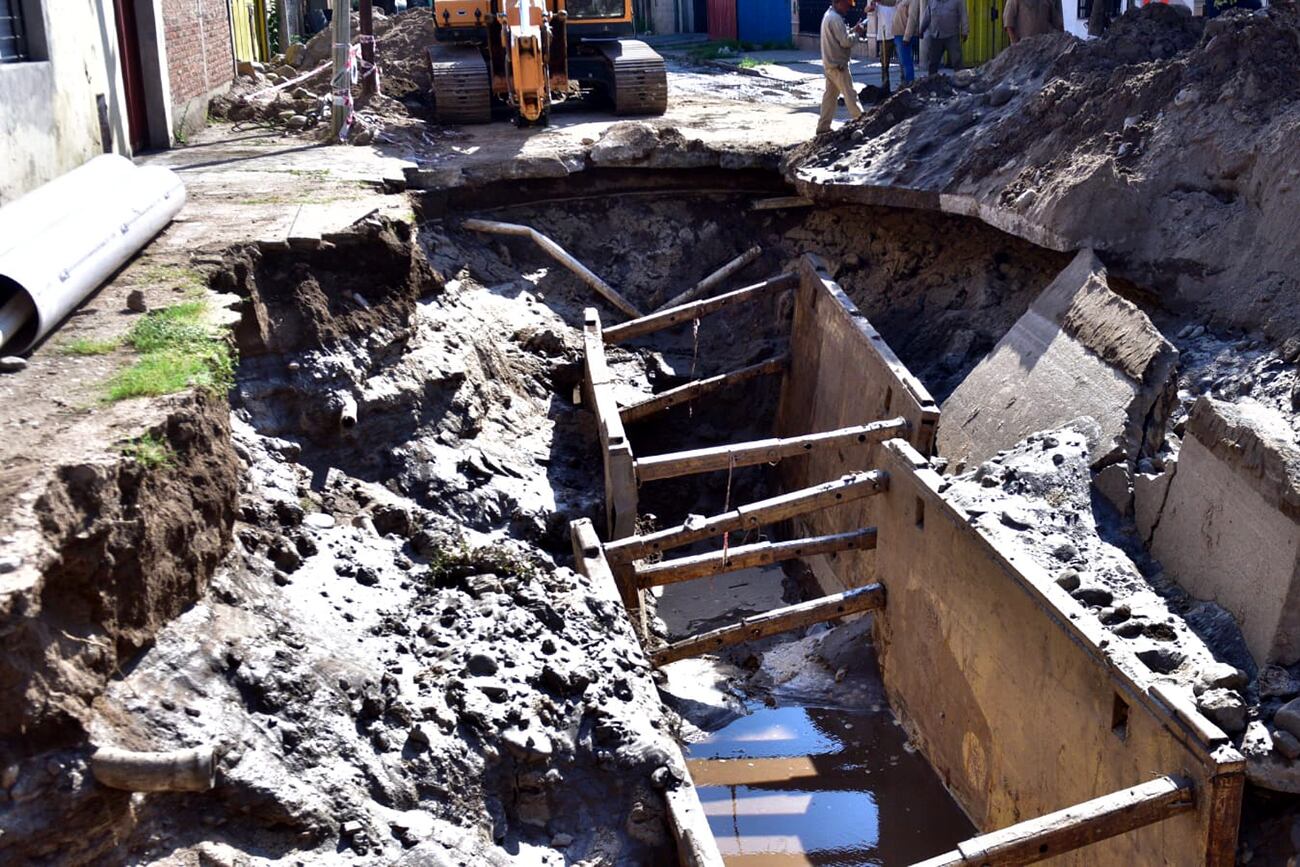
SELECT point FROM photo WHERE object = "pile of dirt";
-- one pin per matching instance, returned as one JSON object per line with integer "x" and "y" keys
{"x": 402, "y": 44}
{"x": 1163, "y": 145}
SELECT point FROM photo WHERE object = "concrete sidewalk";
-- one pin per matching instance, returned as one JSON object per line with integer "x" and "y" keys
{"x": 793, "y": 66}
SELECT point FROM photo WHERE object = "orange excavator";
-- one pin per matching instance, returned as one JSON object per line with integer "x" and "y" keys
{"x": 529, "y": 55}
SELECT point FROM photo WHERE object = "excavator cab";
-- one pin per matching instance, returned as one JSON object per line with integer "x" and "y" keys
{"x": 530, "y": 55}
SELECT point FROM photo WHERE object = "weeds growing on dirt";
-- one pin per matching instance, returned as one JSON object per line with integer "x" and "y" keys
{"x": 179, "y": 350}
{"x": 452, "y": 564}
{"x": 91, "y": 346}
{"x": 188, "y": 280}
{"x": 148, "y": 451}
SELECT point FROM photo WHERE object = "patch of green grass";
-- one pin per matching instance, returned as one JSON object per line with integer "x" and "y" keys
{"x": 178, "y": 350}
{"x": 148, "y": 451}
{"x": 753, "y": 63}
{"x": 726, "y": 48}
{"x": 91, "y": 346}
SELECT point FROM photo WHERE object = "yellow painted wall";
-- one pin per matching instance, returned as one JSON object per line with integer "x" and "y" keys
{"x": 987, "y": 37}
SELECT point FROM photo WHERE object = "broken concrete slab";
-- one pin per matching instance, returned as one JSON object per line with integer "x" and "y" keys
{"x": 1080, "y": 349}
{"x": 1230, "y": 526}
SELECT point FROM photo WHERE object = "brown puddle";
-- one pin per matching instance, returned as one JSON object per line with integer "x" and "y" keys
{"x": 803, "y": 785}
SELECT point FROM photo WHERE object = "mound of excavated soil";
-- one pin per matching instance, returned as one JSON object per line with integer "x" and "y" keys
{"x": 401, "y": 49}
{"x": 1165, "y": 144}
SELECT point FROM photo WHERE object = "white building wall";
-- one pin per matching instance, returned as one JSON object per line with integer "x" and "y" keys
{"x": 50, "y": 108}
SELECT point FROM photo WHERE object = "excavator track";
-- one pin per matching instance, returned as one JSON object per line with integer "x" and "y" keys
{"x": 462, "y": 91}
{"x": 640, "y": 79}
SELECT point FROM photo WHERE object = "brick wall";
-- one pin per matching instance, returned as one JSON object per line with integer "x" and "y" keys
{"x": 199, "y": 54}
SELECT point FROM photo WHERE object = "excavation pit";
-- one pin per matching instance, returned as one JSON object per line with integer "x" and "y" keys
{"x": 398, "y": 626}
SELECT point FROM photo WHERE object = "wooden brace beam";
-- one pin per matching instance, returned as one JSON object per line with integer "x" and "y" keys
{"x": 715, "y": 278}
{"x": 561, "y": 255}
{"x": 854, "y": 486}
{"x": 689, "y": 312}
{"x": 649, "y": 469}
{"x": 1074, "y": 827}
{"x": 695, "y": 390}
{"x": 771, "y": 622}
{"x": 745, "y": 556}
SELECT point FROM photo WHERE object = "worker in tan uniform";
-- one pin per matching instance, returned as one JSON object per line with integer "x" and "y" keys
{"x": 1026, "y": 18}
{"x": 837, "y": 43}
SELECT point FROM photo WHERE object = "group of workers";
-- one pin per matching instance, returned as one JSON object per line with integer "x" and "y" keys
{"x": 900, "y": 27}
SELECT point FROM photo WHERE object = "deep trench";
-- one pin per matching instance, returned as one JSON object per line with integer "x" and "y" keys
{"x": 464, "y": 401}
{"x": 398, "y": 655}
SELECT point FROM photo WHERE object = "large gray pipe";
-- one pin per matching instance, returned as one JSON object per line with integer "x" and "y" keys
{"x": 59, "y": 242}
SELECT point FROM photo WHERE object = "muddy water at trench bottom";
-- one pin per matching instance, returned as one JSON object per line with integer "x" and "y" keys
{"x": 801, "y": 785}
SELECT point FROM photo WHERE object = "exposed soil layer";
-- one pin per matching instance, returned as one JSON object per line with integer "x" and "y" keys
{"x": 1160, "y": 144}
{"x": 117, "y": 550}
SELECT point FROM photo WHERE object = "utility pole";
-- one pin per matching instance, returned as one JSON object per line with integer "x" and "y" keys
{"x": 342, "y": 82}
{"x": 369, "y": 73}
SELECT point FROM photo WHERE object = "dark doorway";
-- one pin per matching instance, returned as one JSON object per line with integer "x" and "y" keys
{"x": 128, "y": 50}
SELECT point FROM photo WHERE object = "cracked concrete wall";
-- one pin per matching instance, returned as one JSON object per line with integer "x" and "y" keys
{"x": 1229, "y": 527}
{"x": 1080, "y": 350}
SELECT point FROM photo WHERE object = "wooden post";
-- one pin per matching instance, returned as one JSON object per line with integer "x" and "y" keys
{"x": 689, "y": 312}
{"x": 716, "y": 277}
{"x": 695, "y": 390}
{"x": 745, "y": 556}
{"x": 586, "y": 550}
{"x": 1074, "y": 827}
{"x": 649, "y": 469}
{"x": 369, "y": 72}
{"x": 844, "y": 490}
{"x": 785, "y": 619}
{"x": 341, "y": 82}
{"x": 560, "y": 255}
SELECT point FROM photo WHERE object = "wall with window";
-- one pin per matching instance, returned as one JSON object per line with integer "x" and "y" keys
{"x": 61, "y": 99}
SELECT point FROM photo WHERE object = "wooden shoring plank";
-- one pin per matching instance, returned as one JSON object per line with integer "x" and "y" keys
{"x": 781, "y": 202}
{"x": 561, "y": 255}
{"x": 653, "y": 467}
{"x": 616, "y": 451}
{"x": 858, "y": 599}
{"x": 1074, "y": 827}
{"x": 745, "y": 556}
{"x": 740, "y": 262}
{"x": 854, "y": 486}
{"x": 689, "y": 312}
{"x": 586, "y": 550}
{"x": 695, "y": 390}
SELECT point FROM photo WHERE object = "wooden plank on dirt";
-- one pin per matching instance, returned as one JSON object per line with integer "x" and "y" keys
{"x": 695, "y": 390}
{"x": 851, "y": 487}
{"x": 1074, "y": 827}
{"x": 780, "y": 203}
{"x": 717, "y": 277}
{"x": 746, "y": 556}
{"x": 853, "y": 601}
{"x": 675, "y": 464}
{"x": 690, "y": 312}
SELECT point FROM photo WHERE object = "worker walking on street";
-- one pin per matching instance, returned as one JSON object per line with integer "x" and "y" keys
{"x": 944, "y": 26}
{"x": 837, "y": 44}
{"x": 1026, "y": 18}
